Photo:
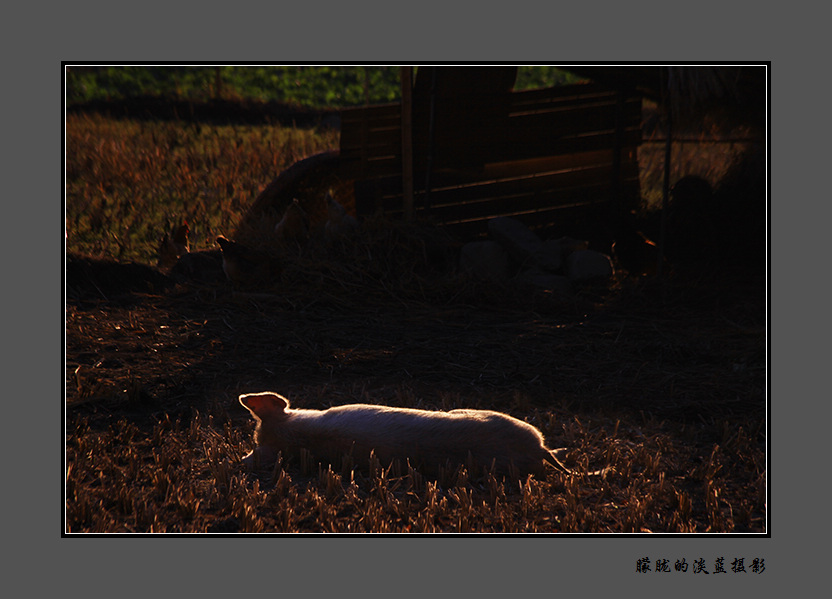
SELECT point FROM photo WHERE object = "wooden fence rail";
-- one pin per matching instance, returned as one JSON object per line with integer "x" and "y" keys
{"x": 559, "y": 155}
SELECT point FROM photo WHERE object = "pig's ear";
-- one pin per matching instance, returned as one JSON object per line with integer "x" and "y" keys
{"x": 265, "y": 405}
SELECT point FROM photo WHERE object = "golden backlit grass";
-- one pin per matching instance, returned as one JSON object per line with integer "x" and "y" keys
{"x": 708, "y": 151}
{"x": 185, "y": 475}
{"x": 128, "y": 182}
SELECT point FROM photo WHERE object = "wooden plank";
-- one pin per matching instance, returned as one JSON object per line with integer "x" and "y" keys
{"x": 509, "y": 171}
{"x": 577, "y": 179}
{"x": 376, "y": 112}
{"x": 407, "y": 141}
{"x": 385, "y": 194}
{"x": 524, "y": 208}
{"x": 572, "y": 220}
{"x": 528, "y": 204}
{"x": 563, "y": 97}
{"x": 521, "y": 107}
{"x": 545, "y": 164}
{"x": 507, "y": 150}
{"x": 380, "y": 162}
{"x": 498, "y": 146}
{"x": 386, "y": 131}
{"x": 557, "y": 202}
{"x": 382, "y": 166}
{"x": 558, "y": 123}
{"x": 560, "y": 93}
{"x": 354, "y": 138}
{"x": 521, "y": 204}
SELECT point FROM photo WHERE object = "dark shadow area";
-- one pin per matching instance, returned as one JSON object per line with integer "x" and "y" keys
{"x": 214, "y": 112}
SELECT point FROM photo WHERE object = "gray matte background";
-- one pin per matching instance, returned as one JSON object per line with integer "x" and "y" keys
{"x": 36, "y": 41}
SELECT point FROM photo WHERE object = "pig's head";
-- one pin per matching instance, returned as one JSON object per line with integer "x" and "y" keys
{"x": 270, "y": 412}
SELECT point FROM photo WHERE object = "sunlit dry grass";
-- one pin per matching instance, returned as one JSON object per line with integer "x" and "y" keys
{"x": 185, "y": 475}
{"x": 707, "y": 152}
{"x": 128, "y": 182}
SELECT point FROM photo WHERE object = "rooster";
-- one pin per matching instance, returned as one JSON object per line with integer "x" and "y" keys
{"x": 339, "y": 223}
{"x": 245, "y": 266}
{"x": 294, "y": 226}
{"x": 173, "y": 246}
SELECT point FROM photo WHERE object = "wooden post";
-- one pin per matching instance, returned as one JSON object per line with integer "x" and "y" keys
{"x": 616, "y": 156}
{"x": 407, "y": 141}
{"x": 668, "y": 156}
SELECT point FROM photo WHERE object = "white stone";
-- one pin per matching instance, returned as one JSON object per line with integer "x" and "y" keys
{"x": 549, "y": 256}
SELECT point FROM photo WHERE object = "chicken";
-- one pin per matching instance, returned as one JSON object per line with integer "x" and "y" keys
{"x": 339, "y": 223}
{"x": 245, "y": 266}
{"x": 294, "y": 226}
{"x": 172, "y": 247}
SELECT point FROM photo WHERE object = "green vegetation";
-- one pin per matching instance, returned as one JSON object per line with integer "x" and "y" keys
{"x": 318, "y": 86}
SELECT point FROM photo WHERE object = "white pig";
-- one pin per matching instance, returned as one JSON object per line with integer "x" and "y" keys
{"x": 426, "y": 439}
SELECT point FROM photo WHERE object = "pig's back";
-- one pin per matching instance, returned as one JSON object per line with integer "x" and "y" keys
{"x": 434, "y": 437}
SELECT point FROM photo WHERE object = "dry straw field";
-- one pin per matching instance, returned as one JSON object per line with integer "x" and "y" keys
{"x": 663, "y": 380}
